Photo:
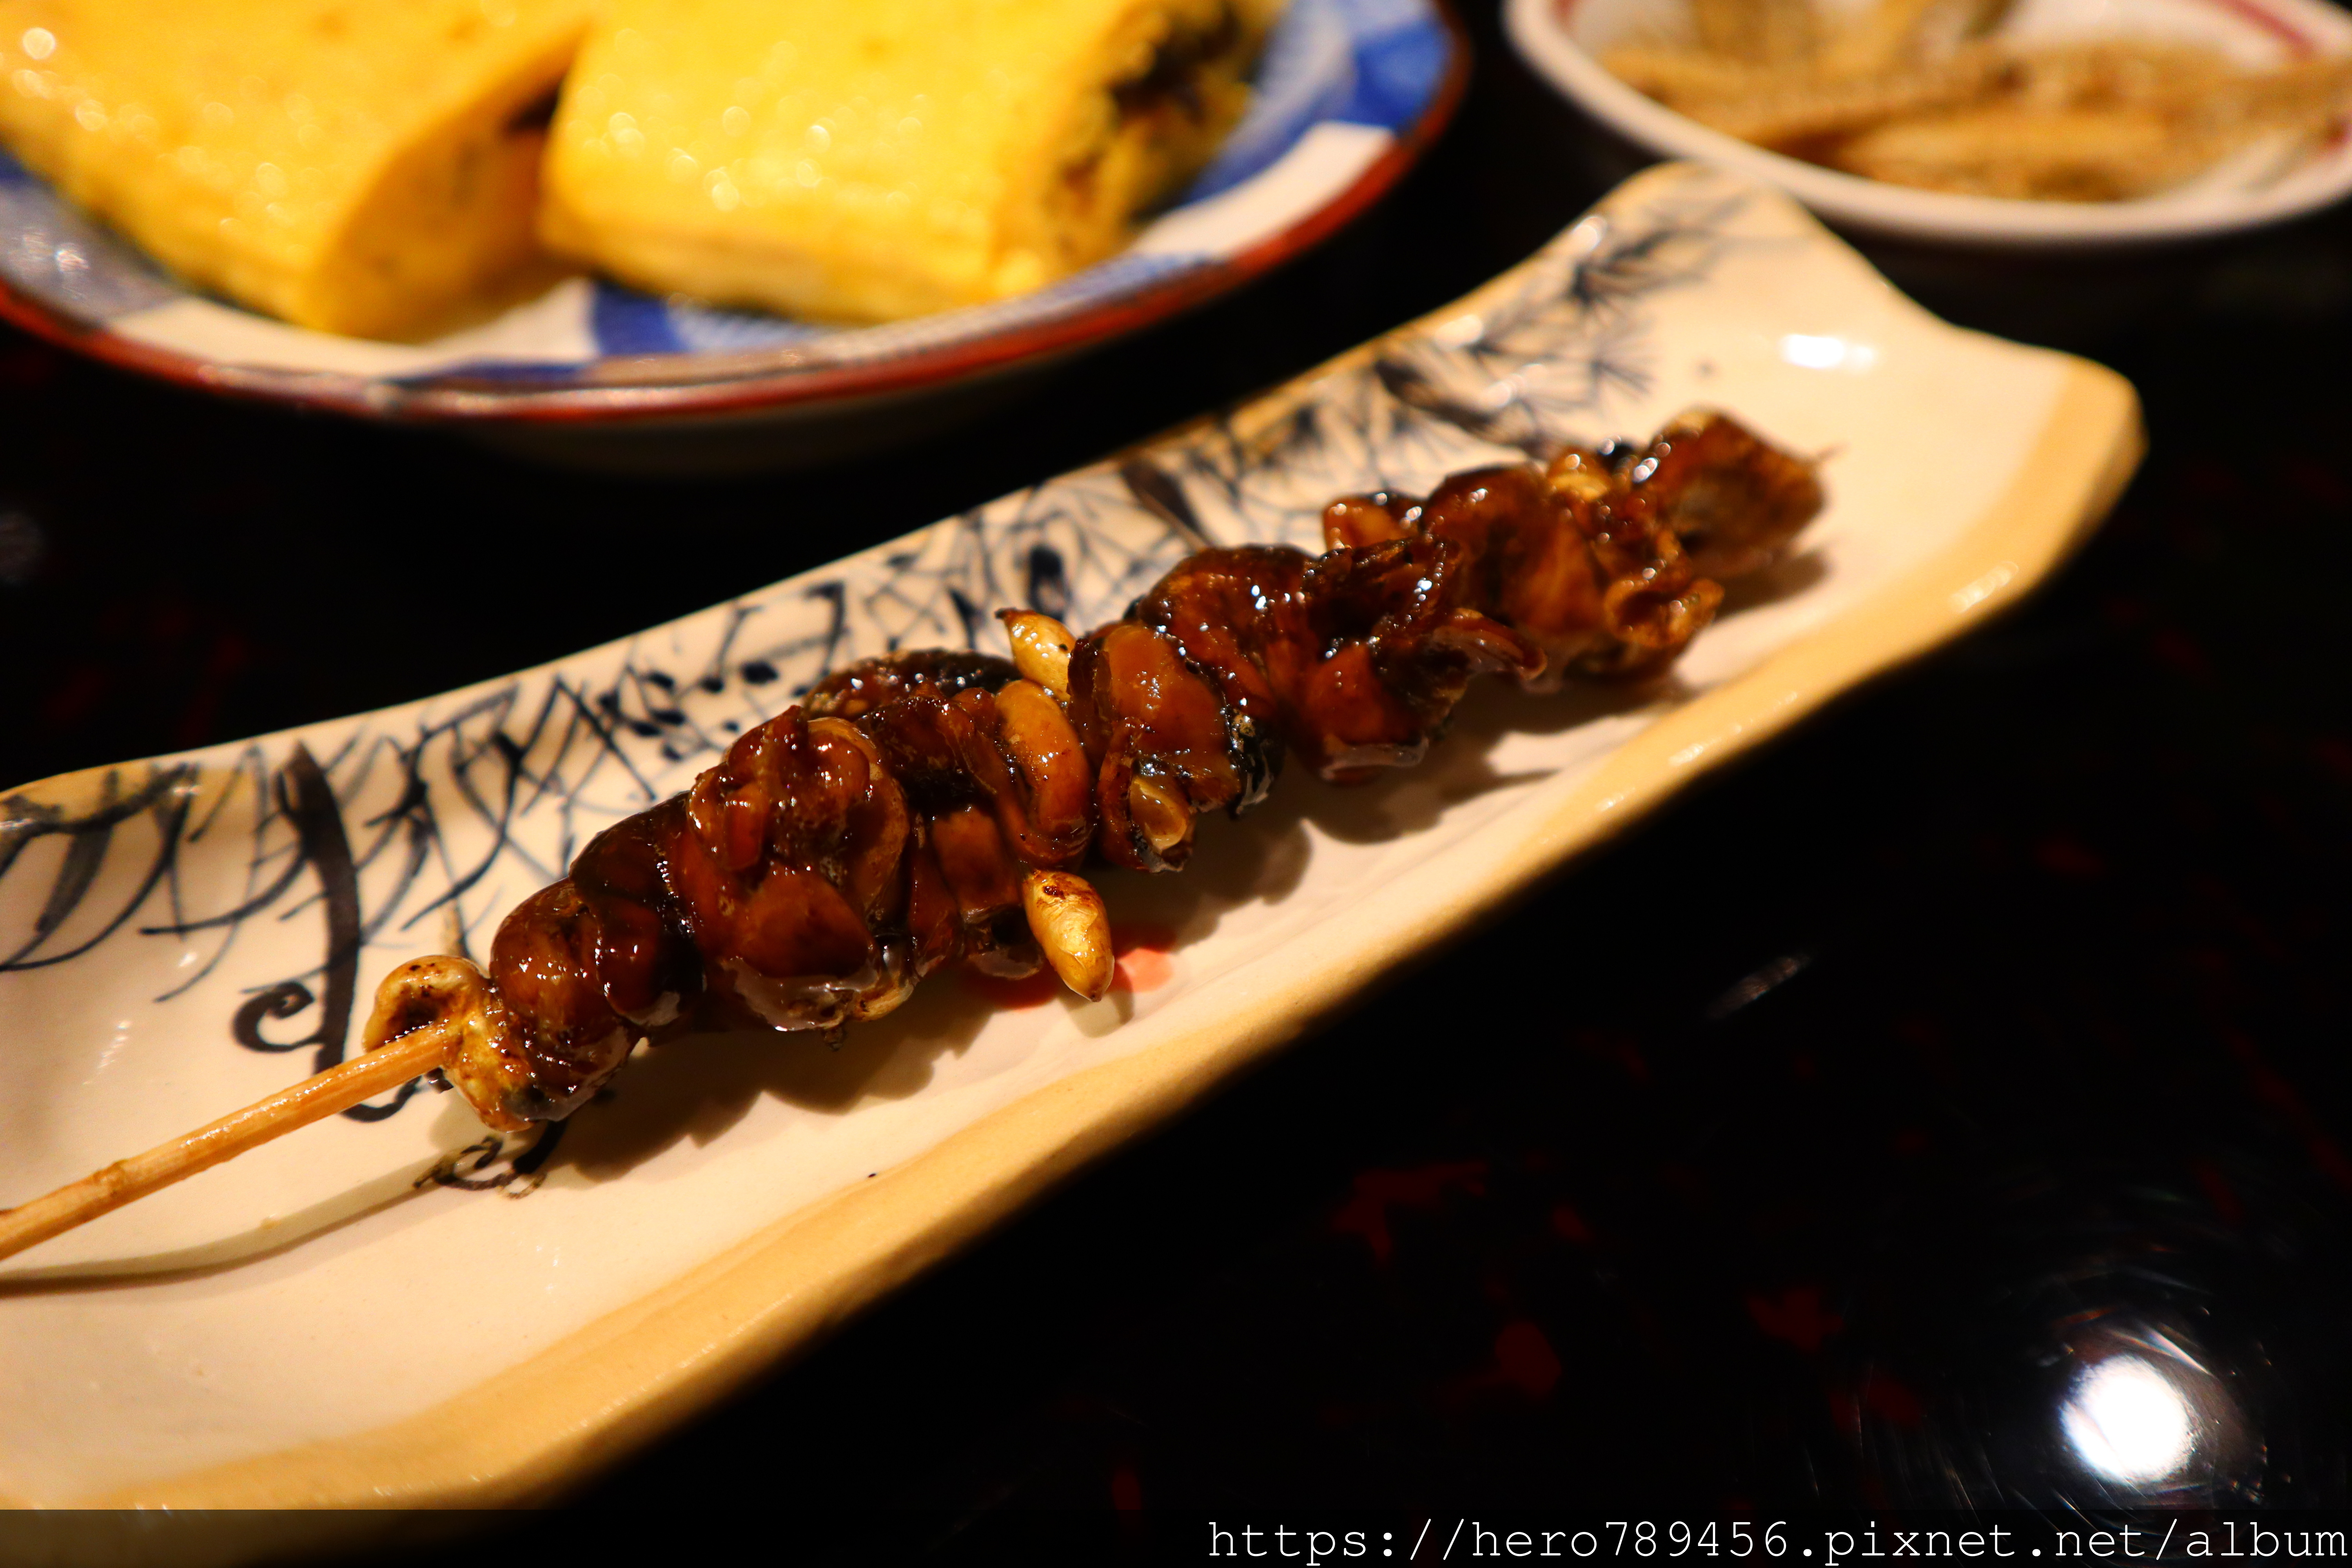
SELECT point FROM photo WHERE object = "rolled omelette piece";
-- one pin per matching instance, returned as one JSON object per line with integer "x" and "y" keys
{"x": 884, "y": 158}
{"x": 368, "y": 167}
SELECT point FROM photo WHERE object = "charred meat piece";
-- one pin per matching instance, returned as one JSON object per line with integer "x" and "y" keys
{"x": 931, "y": 807}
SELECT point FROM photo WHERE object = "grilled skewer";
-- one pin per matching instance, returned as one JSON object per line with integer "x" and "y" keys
{"x": 926, "y": 808}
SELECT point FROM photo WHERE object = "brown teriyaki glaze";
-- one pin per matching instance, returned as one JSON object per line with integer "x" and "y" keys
{"x": 922, "y": 808}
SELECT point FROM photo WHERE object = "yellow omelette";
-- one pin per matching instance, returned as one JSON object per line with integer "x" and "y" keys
{"x": 359, "y": 166}
{"x": 883, "y": 158}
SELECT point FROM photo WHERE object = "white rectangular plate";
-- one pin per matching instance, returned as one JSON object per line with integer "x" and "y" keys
{"x": 307, "y": 1326}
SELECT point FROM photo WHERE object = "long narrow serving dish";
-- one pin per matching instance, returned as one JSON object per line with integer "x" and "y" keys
{"x": 384, "y": 1310}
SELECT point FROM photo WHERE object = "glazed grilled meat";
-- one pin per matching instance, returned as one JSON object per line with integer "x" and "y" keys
{"x": 934, "y": 807}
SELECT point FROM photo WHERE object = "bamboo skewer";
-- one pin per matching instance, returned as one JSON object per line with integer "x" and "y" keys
{"x": 312, "y": 1099}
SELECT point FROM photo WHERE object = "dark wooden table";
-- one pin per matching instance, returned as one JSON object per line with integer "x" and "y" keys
{"x": 1777, "y": 1154}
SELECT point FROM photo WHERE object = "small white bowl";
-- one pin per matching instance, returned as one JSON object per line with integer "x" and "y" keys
{"x": 2266, "y": 184}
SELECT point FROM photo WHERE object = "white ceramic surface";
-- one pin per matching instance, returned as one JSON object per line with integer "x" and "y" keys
{"x": 2267, "y": 183}
{"x": 322, "y": 1322}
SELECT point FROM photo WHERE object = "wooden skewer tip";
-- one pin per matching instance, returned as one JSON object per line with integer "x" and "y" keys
{"x": 313, "y": 1100}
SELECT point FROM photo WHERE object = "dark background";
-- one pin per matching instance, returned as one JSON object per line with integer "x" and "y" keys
{"x": 1789, "y": 1150}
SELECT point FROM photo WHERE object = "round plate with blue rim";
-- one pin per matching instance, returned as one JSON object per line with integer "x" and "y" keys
{"x": 1347, "y": 94}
